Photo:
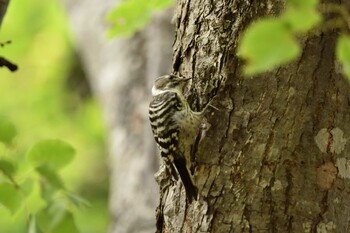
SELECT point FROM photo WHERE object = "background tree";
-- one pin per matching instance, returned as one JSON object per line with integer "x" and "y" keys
{"x": 121, "y": 72}
{"x": 275, "y": 156}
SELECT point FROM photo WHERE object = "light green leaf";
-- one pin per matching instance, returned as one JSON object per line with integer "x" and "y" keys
{"x": 34, "y": 201}
{"x": 266, "y": 45}
{"x": 132, "y": 15}
{"x": 53, "y": 153}
{"x": 32, "y": 226}
{"x": 303, "y": 3}
{"x": 128, "y": 17}
{"x": 10, "y": 197}
{"x": 343, "y": 53}
{"x": 7, "y": 130}
{"x": 301, "y": 19}
{"x": 161, "y": 4}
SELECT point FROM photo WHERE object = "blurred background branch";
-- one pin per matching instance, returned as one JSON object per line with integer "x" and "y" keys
{"x": 3, "y": 7}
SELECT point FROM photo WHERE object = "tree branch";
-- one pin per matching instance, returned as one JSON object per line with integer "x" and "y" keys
{"x": 8, "y": 64}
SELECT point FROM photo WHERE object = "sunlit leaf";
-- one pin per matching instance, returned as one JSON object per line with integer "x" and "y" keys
{"x": 160, "y": 4}
{"x": 128, "y": 17}
{"x": 32, "y": 225}
{"x": 53, "y": 153}
{"x": 266, "y": 45}
{"x": 7, "y": 130}
{"x": 34, "y": 201}
{"x": 301, "y": 19}
{"x": 343, "y": 53}
{"x": 10, "y": 197}
{"x": 132, "y": 15}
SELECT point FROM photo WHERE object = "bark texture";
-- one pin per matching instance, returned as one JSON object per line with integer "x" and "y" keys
{"x": 121, "y": 72}
{"x": 276, "y": 156}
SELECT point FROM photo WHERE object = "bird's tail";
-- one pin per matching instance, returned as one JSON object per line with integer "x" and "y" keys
{"x": 191, "y": 189}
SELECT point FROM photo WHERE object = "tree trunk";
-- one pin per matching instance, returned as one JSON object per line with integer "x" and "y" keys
{"x": 121, "y": 72}
{"x": 275, "y": 158}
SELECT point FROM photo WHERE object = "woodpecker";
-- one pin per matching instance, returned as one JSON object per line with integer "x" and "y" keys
{"x": 175, "y": 127}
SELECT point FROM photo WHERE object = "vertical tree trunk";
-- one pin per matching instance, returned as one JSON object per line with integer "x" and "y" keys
{"x": 276, "y": 157}
{"x": 121, "y": 72}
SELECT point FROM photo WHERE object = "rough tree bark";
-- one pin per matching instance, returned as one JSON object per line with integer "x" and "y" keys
{"x": 121, "y": 72}
{"x": 276, "y": 157}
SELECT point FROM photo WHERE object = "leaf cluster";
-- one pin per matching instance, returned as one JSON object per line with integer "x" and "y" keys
{"x": 271, "y": 42}
{"x": 32, "y": 184}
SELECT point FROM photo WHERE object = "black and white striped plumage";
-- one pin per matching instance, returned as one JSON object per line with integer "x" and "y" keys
{"x": 175, "y": 127}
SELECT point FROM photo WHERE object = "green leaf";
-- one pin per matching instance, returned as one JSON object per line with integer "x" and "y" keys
{"x": 53, "y": 153}
{"x": 67, "y": 224}
{"x": 32, "y": 225}
{"x": 266, "y": 45}
{"x": 132, "y": 15}
{"x": 161, "y": 4}
{"x": 301, "y": 19}
{"x": 7, "y": 168}
{"x": 34, "y": 201}
{"x": 56, "y": 220}
{"x": 77, "y": 200}
{"x": 343, "y": 53}
{"x": 7, "y": 130}
{"x": 27, "y": 187}
{"x": 10, "y": 197}
{"x": 303, "y": 3}
{"x": 51, "y": 176}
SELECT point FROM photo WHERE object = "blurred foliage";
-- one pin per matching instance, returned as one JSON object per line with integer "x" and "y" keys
{"x": 39, "y": 102}
{"x": 273, "y": 41}
{"x": 132, "y": 15}
{"x": 343, "y": 53}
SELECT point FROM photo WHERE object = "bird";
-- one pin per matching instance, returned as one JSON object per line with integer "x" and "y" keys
{"x": 175, "y": 127}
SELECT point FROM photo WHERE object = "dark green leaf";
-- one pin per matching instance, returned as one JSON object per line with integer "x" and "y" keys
{"x": 343, "y": 53}
{"x": 67, "y": 224}
{"x": 57, "y": 220}
{"x": 7, "y": 130}
{"x": 51, "y": 176}
{"x": 77, "y": 200}
{"x": 53, "y": 153}
{"x": 7, "y": 168}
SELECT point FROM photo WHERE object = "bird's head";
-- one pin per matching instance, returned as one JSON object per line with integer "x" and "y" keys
{"x": 170, "y": 83}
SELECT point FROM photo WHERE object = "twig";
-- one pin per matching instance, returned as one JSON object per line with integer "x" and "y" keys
{"x": 8, "y": 64}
